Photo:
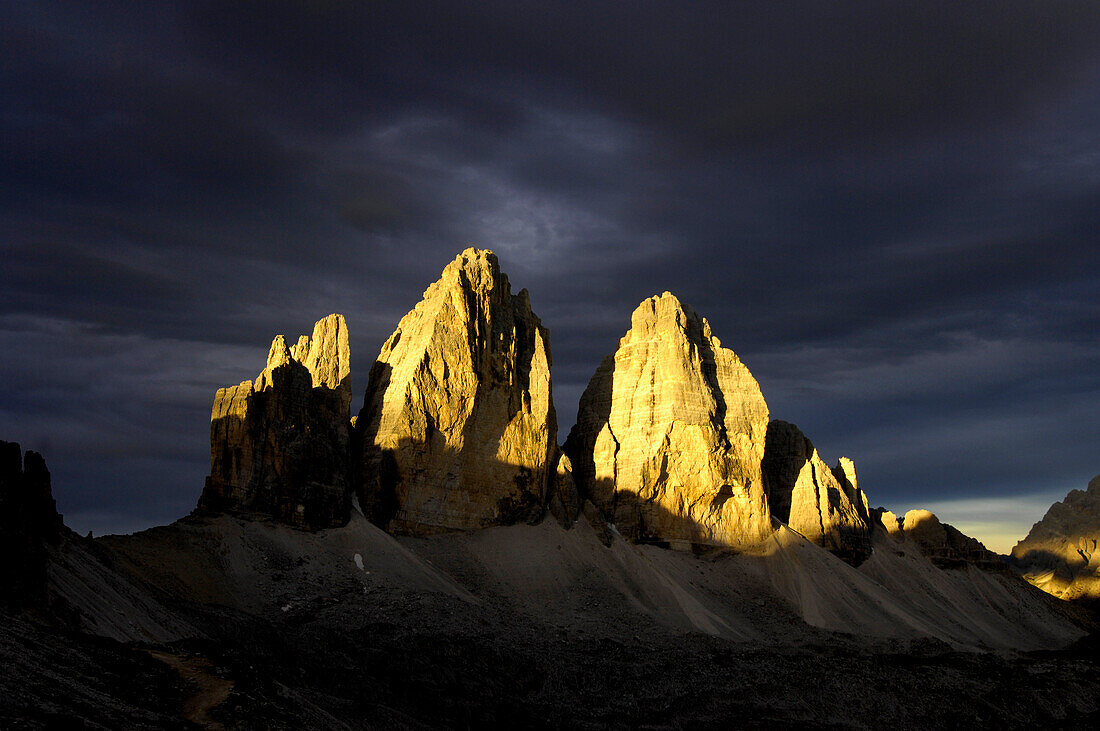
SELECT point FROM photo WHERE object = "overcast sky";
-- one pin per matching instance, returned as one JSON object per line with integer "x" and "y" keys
{"x": 889, "y": 210}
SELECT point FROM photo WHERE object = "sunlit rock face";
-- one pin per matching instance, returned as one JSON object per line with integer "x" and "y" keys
{"x": 28, "y": 521}
{"x": 889, "y": 520}
{"x": 670, "y": 434}
{"x": 822, "y": 503}
{"x": 945, "y": 545}
{"x": 279, "y": 446}
{"x": 458, "y": 428}
{"x": 1060, "y": 555}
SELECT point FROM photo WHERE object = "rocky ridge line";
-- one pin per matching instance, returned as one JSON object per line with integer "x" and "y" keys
{"x": 944, "y": 544}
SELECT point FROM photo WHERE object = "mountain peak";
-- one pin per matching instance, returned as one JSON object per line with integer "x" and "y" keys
{"x": 458, "y": 425}
{"x": 1060, "y": 554}
{"x": 670, "y": 434}
{"x": 278, "y": 447}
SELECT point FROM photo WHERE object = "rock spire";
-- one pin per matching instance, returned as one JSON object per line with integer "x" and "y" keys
{"x": 458, "y": 429}
{"x": 822, "y": 503}
{"x": 279, "y": 445}
{"x": 670, "y": 434}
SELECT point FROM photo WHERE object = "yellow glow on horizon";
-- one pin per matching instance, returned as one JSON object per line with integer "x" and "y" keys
{"x": 998, "y": 522}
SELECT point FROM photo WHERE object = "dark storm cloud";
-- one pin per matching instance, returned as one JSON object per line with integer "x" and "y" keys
{"x": 718, "y": 72}
{"x": 888, "y": 209}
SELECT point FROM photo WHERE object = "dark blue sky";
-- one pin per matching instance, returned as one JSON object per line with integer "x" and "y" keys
{"x": 889, "y": 210}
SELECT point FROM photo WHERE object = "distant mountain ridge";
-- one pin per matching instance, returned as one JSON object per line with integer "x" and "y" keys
{"x": 1060, "y": 553}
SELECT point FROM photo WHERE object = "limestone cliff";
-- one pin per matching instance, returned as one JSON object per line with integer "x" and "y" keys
{"x": 822, "y": 503}
{"x": 670, "y": 434}
{"x": 1060, "y": 553}
{"x": 458, "y": 426}
{"x": 279, "y": 446}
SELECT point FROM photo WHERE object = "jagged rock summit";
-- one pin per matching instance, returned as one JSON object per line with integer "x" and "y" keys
{"x": 458, "y": 429}
{"x": 279, "y": 446}
{"x": 670, "y": 434}
{"x": 1060, "y": 554}
{"x": 673, "y": 442}
{"x": 823, "y": 504}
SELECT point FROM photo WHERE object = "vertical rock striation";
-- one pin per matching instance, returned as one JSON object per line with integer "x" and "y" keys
{"x": 822, "y": 503}
{"x": 279, "y": 446}
{"x": 1060, "y": 554}
{"x": 670, "y": 434}
{"x": 458, "y": 428}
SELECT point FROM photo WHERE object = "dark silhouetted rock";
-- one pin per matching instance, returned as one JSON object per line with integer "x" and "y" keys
{"x": 280, "y": 447}
{"x": 29, "y": 521}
